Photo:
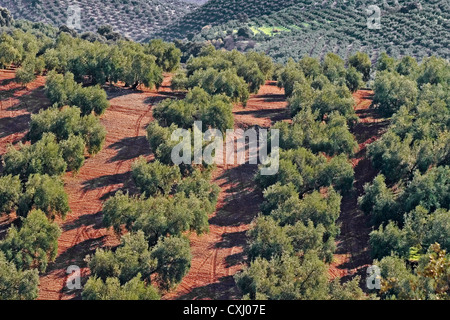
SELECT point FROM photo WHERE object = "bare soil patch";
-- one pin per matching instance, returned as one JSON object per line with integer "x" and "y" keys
{"x": 219, "y": 255}
{"x": 352, "y": 256}
{"x": 100, "y": 178}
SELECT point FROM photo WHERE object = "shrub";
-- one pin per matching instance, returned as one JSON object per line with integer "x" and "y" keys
{"x": 43, "y": 157}
{"x": 393, "y": 91}
{"x": 10, "y": 192}
{"x": 361, "y": 62}
{"x": 154, "y": 178}
{"x": 111, "y": 289}
{"x": 16, "y": 284}
{"x": 44, "y": 193}
{"x": 173, "y": 256}
{"x": 34, "y": 245}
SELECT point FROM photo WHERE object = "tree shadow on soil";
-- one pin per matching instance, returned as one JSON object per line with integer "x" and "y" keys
{"x": 225, "y": 289}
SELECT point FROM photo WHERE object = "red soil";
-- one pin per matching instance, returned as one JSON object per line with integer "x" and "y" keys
{"x": 218, "y": 255}
{"x": 352, "y": 256}
{"x": 99, "y": 178}
{"x": 16, "y": 104}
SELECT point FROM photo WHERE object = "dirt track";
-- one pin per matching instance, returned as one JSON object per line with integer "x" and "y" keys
{"x": 217, "y": 256}
{"x": 99, "y": 178}
{"x": 352, "y": 256}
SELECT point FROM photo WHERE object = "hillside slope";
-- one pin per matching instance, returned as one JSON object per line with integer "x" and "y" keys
{"x": 216, "y": 12}
{"x": 313, "y": 28}
{"x": 135, "y": 19}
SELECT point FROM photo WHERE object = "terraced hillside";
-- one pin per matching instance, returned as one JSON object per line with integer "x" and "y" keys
{"x": 412, "y": 28}
{"x": 135, "y": 19}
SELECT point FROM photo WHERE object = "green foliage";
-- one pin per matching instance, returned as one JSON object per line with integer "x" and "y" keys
{"x": 333, "y": 67}
{"x": 93, "y": 133}
{"x": 111, "y": 289}
{"x": 16, "y": 284}
{"x": 391, "y": 155}
{"x": 66, "y": 122}
{"x": 73, "y": 152}
{"x": 231, "y": 73}
{"x": 10, "y": 192}
{"x": 292, "y": 278}
{"x": 393, "y": 91}
{"x": 407, "y": 66}
{"x": 321, "y": 210}
{"x": 323, "y": 100}
{"x": 9, "y": 52}
{"x": 119, "y": 210}
{"x": 90, "y": 99}
{"x": 198, "y": 185}
{"x": 43, "y": 157}
{"x": 332, "y": 137}
{"x": 270, "y": 240}
{"x": 167, "y": 55}
{"x": 173, "y": 255}
{"x": 44, "y": 193}
{"x": 63, "y": 90}
{"x": 60, "y": 88}
{"x": 429, "y": 281}
{"x": 160, "y": 141}
{"x": 277, "y": 194}
{"x": 353, "y": 79}
{"x": 225, "y": 82}
{"x": 131, "y": 258}
{"x": 34, "y": 245}
{"x": 134, "y": 261}
{"x": 434, "y": 70}
{"x": 214, "y": 111}
{"x": 388, "y": 239}
{"x": 157, "y": 217}
{"x": 385, "y": 63}
{"x": 379, "y": 201}
{"x": 335, "y": 98}
{"x": 308, "y": 171}
{"x": 143, "y": 70}
{"x": 361, "y": 62}
{"x": 349, "y": 290}
{"x": 430, "y": 190}
{"x": 171, "y": 216}
{"x": 25, "y": 74}
{"x": 310, "y": 66}
{"x": 154, "y": 178}
{"x": 6, "y": 18}
{"x": 289, "y": 76}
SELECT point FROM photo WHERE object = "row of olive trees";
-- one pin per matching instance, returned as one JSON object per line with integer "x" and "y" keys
{"x": 87, "y": 59}
{"x": 409, "y": 201}
{"x": 230, "y": 73}
{"x": 154, "y": 254}
{"x": 174, "y": 199}
{"x": 31, "y": 184}
{"x": 293, "y": 240}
